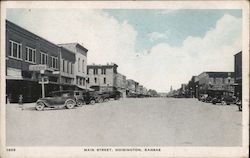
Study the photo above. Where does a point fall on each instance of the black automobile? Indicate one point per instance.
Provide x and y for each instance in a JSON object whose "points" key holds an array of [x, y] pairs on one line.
{"points": [[90, 97], [227, 100], [224, 100], [216, 99], [103, 97], [57, 99], [208, 99]]}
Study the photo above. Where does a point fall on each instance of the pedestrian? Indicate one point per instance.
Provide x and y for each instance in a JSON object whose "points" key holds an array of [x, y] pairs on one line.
{"points": [[20, 101]]}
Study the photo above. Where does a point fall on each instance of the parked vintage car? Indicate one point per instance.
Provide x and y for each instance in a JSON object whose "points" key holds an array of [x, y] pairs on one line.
{"points": [[90, 97], [216, 100], [79, 98], [103, 97], [203, 97], [227, 100], [208, 99], [224, 100], [57, 99]]}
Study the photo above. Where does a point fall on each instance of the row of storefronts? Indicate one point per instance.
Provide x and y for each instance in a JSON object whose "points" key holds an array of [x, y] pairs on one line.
{"points": [[32, 60], [214, 83]]}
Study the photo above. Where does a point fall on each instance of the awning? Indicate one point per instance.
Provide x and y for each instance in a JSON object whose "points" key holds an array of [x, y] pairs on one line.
{"points": [[84, 88], [81, 87], [13, 78]]}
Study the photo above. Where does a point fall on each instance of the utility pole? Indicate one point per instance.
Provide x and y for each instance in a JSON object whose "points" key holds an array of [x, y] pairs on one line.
{"points": [[42, 83]]}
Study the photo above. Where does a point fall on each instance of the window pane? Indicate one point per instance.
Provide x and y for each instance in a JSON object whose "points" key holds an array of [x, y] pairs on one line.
{"points": [[43, 59], [10, 48], [30, 55], [34, 56], [26, 53], [14, 50], [56, 63], [19, 51], [83, 66]]}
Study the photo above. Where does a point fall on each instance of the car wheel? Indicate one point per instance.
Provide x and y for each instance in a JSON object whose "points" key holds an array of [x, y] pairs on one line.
{"points": [[70, 104], [223, 103], [92, 102], [40, 106], [100, 100], [106, 100], [79, 103]]}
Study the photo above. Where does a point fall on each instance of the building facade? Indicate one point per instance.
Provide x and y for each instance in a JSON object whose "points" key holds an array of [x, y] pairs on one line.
{"points": [[216, 83], [67, 69], [80, 70], [23, 49], [120, 84], [238, 74], [130, 88]]}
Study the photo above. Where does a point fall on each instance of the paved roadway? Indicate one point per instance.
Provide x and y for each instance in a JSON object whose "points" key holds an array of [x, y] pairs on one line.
{"points": [[127, 122]]}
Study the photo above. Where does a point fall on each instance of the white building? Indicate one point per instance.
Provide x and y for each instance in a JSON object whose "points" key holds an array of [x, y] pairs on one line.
{"points": [[80, 63]]}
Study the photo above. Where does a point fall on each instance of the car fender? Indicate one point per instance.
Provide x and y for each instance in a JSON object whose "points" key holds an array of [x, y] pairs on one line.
{"points": [[43, 101], [69, 100]]}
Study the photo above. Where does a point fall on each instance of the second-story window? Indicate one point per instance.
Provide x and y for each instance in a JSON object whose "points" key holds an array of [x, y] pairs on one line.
{"points": [[104, 80], [83, 66], [44, 58], [103, 71], [63, 67], [95, 71], [95, 80], [72, 68], [70, 65], [79, 64], [30, 55], [54, 62], [15, 49]]}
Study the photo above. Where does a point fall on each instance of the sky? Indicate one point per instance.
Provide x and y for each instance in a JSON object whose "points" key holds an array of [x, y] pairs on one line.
{"points": [[158, 48]]}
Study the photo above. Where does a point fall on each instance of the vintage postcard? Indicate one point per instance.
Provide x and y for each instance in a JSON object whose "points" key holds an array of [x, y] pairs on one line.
{"points": [[124, 79]]}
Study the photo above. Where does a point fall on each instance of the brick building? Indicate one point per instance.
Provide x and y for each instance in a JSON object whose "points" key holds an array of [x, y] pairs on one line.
{"points": [[216, 83], [120, 84], [131, 88], [23, 49], [238, 74]]}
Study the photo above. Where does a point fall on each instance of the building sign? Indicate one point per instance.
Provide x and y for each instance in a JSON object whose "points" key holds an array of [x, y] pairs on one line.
{"points": [[37, 67], [216, 87], [44, 80], [17, 73]]}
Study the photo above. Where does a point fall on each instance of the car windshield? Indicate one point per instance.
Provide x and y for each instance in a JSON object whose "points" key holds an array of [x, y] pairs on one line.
{"points": [[55, 94], [65, 94], [77, 93]]}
